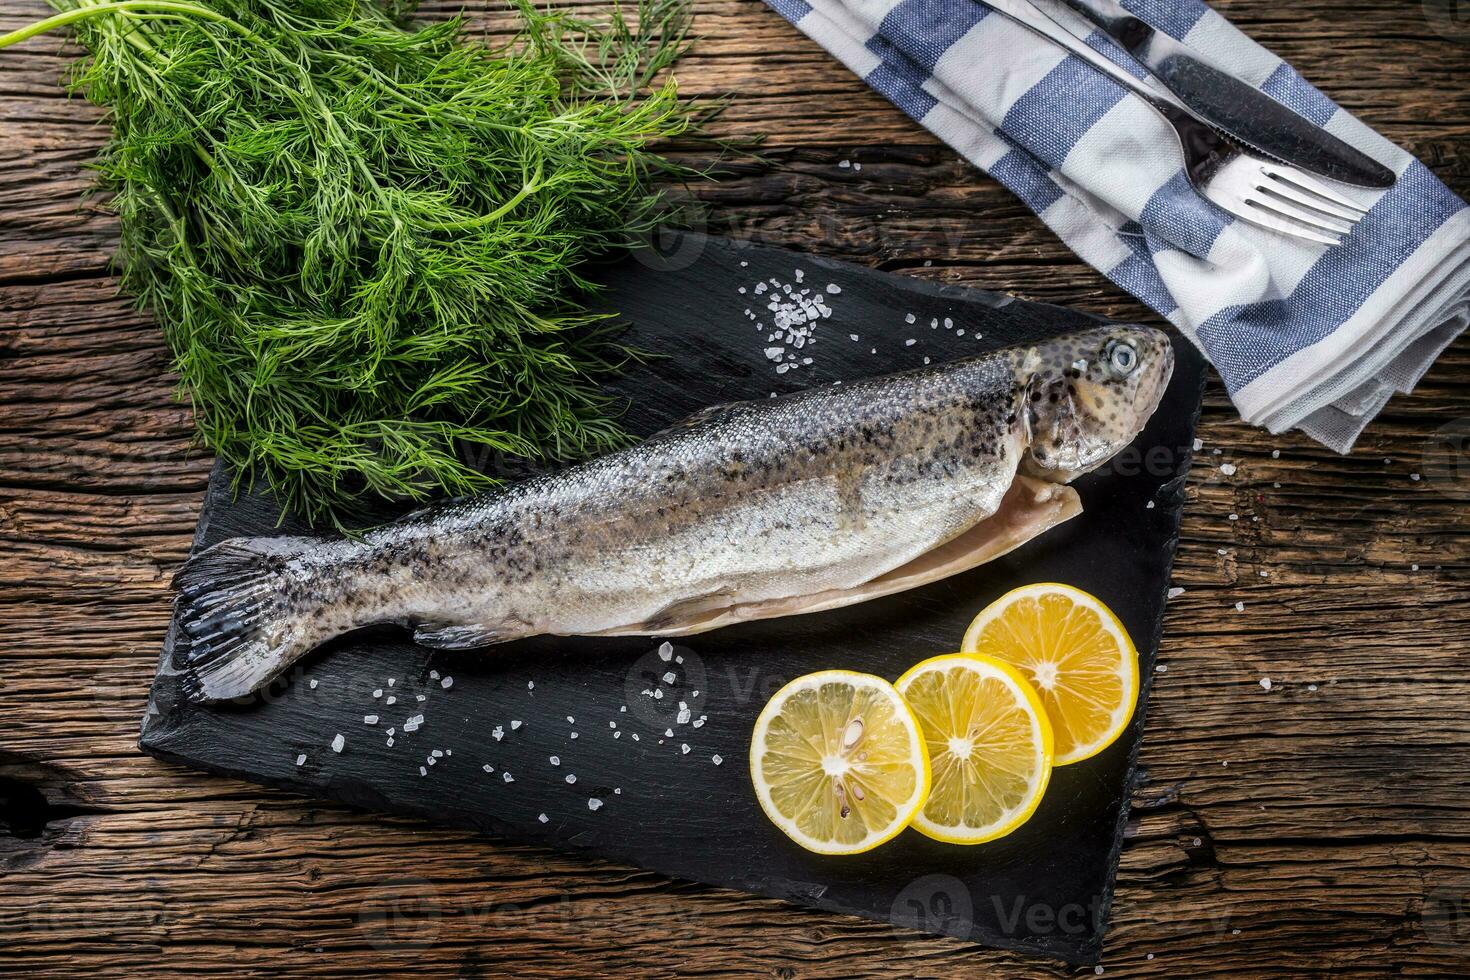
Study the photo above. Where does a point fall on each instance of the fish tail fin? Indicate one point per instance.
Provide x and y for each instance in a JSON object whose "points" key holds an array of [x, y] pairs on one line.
{"points": [[239, 622]]}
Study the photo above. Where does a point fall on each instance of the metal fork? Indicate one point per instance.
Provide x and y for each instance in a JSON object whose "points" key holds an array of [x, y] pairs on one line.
{"points": [[1263, 191]]}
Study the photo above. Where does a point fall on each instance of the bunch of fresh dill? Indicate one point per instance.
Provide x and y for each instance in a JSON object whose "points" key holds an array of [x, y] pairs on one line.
{"points": [[362, 238]]}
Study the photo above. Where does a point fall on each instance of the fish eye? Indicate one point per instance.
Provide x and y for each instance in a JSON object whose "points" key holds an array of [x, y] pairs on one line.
{"points": [[1122, 358]]}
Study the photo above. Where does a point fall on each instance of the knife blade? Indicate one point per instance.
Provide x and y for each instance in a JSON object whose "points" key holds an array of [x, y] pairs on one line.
{"points": [[1234, 107]]}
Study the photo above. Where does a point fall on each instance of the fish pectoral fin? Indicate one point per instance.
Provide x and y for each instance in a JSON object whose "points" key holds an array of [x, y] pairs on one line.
{"points": [[677, 614], [462, 636]]}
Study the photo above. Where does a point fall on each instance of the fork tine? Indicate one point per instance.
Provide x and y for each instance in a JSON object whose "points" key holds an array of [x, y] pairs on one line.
{"points": [[1298, 179], [1289, 222], [1276, 188]]}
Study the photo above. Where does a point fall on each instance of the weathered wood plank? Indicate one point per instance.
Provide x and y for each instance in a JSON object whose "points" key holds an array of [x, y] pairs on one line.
{"points": [[1324, 819]]}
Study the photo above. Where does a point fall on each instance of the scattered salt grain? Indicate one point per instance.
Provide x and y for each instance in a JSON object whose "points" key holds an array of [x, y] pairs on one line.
{"points": [[498, 734], [669, 677], [301, 759], [573, 735], [369, 719], [1413, 568], [1415, 477], [683, 718], [391, 700], [433, 675], [618, 735], [392, 681], [910, 342], [571, 720], [668, 733], [909, 318], [431, 760], [1199, 444], [844, 164], [421, 697], [635, 736], [556, 760], [833, 288], [437, 754], [378, 693], [338, 742], [948, 323], [514, 725], [1161, 668], [665, 651], [1311, 687], [1227, 468], [507, 777], [571, 778], [423, 771], [447, 683], [530, 685], [1240, 607], [658, 695], [312, 684], [857, 168], [1149, 505], [542, 817], [716, 759], [488, 767], [1275, 454], [853, 337], [1265, 683], [594, 804], [699, 722], [1233, 517], [684, 748], [1176, 592]]}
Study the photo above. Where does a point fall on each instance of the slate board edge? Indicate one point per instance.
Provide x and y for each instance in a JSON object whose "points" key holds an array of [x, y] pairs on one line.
{"points": [[1085, 952], [1092, 949]]}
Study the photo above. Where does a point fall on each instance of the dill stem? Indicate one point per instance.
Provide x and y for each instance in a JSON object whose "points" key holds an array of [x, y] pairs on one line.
{"points": [[166, 7]]}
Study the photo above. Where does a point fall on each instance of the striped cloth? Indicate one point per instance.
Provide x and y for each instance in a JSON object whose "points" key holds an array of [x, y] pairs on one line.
{"points": [[1304, 336]]}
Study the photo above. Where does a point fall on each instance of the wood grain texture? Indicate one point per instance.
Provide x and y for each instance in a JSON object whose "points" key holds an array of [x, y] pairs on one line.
{"points": [[1319, 825]]}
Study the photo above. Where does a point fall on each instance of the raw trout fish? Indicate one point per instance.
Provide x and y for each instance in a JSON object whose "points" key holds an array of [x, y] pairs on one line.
{"points": [[750, 510]]}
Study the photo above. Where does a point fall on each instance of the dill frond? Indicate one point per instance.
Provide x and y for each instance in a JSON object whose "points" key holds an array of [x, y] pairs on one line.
{"points": [[362, 238]]}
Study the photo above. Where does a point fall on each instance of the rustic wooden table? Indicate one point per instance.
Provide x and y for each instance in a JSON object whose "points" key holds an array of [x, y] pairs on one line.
{"points": [[1318, 821]]}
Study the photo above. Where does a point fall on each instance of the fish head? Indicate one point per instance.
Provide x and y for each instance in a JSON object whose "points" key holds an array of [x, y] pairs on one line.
{"points": [[1086, 395]]}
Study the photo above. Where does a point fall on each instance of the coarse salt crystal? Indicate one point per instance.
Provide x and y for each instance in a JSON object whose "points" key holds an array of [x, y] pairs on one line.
{"points": [[338, 742], [684, 748], [514, 725], [556, 760], [669, 677], [312, 683], [594, 804], [488, 767], [1199, 444], [573, 735], [909, 318], [301, 759], [507, 777], [833, 288], [1227, 468], [447, 683], [433, 675], [378, 693], [1176, 592], [910, 342], [369, 719], [683, 718], [423, 771], [542, 817], [571, 778], [1240, 607], [1275, 454], [716, 759], [437, 754], [1266, 683], [1149, 505], [498, 734], [391, 700]]}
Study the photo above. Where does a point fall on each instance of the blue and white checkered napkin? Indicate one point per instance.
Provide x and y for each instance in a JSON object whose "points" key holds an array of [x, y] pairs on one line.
{"points": [[1305, 336]]}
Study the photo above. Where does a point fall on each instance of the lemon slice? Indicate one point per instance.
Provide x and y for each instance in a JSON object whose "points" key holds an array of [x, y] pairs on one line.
{"points": [[990, 746], [838, 761], [1075, 653]]}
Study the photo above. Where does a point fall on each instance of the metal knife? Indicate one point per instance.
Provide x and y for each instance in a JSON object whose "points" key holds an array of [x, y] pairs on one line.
{"points": [[1236, 108]]}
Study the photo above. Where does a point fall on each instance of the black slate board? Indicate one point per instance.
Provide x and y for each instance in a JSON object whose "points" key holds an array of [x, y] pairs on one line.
{"points": [[1043, 889]]}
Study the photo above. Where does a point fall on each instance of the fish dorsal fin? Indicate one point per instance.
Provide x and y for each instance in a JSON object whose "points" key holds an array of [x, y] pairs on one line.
{"points": [[692, 421]]}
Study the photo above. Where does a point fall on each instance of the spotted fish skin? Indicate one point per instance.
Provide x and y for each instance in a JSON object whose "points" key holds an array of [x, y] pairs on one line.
{"points": [[743, 511]]}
